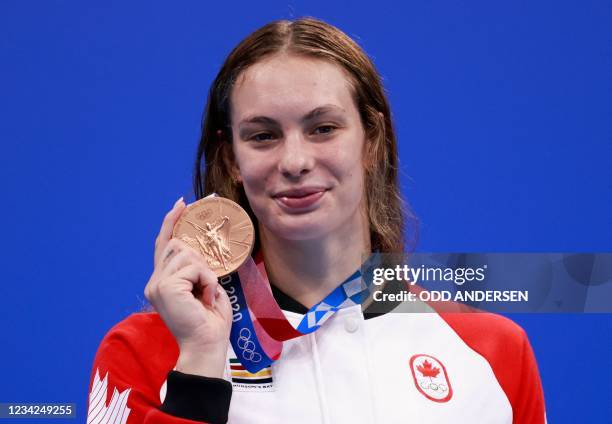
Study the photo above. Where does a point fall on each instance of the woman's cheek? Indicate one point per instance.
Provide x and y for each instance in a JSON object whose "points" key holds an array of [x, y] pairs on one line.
{"points": [[254, 174], [344, 157]]}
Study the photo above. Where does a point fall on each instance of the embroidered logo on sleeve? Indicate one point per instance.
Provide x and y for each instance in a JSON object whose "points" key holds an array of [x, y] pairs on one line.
{"points": [[244, 381], [430, 378], [116, 412]]}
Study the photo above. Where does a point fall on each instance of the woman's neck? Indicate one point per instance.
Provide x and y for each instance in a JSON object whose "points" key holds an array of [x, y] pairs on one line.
{"points": [[308, 270]]}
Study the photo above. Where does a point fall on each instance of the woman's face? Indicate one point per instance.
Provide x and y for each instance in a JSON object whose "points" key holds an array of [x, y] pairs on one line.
{"points": [[298, 145]]}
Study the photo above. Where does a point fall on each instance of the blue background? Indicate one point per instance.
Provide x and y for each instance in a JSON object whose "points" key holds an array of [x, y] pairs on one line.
{"points": [[503, 117]]}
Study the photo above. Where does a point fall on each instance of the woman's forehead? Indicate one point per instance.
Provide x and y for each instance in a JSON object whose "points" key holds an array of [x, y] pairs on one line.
{"points": [[289, 84]]}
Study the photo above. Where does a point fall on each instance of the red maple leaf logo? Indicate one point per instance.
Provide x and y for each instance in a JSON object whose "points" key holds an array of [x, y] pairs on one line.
{"points": [[428, 370]]}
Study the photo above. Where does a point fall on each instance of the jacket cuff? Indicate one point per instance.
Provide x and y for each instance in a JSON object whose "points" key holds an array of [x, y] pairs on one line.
{"points": [[197, 398]]}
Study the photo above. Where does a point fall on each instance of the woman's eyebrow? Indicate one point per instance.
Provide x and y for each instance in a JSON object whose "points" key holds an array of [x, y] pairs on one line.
{"points": [[318, 111], [321, 110]]}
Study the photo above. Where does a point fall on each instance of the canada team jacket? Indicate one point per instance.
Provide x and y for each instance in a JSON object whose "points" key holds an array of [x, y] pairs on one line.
{"points": [[390, 368]]}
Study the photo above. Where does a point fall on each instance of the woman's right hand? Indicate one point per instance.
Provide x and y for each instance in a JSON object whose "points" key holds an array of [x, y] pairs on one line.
{"points": [[187, 296]]}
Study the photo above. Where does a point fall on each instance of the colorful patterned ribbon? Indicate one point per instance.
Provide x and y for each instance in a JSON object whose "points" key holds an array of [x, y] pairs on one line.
{"points": [[260, 326]]}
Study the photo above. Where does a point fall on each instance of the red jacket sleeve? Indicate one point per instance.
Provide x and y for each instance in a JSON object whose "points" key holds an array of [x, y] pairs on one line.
{"points": [[132, 363], [504, 344], [528, 404]]}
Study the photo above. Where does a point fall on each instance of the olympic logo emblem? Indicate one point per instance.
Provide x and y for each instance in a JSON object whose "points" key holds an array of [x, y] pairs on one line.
{"points": [[247, 346], [428, 385], [431, 378]]}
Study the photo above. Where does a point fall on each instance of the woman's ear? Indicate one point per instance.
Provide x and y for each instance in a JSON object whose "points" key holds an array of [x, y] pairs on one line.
{"points": [[236, 175], [234, 172], [229, 161]]}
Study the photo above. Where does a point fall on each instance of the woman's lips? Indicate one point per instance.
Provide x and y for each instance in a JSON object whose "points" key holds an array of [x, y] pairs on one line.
{"points": [[300, 202]]}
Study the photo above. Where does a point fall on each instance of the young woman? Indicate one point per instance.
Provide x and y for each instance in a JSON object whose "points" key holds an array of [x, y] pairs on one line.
{"points": [[298, 131]]}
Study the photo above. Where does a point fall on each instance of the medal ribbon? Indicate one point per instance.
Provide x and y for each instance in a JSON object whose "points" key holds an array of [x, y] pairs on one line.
{"points": [[259, 325]]}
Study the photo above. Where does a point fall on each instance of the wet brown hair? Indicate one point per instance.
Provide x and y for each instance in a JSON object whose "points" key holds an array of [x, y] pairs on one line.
{"points": [[313, 38]]}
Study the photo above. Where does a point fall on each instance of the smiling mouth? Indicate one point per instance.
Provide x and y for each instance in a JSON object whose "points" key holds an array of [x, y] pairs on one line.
{"points": [[297, 200]]}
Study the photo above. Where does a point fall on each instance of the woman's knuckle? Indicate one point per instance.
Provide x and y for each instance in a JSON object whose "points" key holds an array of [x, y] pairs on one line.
{"points": [[194, 256], [199, 264], [162, 287]]}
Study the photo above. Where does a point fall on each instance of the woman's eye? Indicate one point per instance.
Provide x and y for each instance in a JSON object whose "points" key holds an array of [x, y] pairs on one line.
{"points": [[326, 129], [261, 137]]}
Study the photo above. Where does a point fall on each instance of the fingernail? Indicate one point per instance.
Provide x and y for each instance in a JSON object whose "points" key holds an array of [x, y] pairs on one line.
{"points": [[177, 202]]}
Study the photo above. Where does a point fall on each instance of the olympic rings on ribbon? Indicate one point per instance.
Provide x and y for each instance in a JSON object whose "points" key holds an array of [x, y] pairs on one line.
{"points": [[247, 346]]}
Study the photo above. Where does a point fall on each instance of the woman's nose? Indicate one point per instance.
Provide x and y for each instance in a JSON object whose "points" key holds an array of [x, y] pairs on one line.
{"points": [[296, 156]]}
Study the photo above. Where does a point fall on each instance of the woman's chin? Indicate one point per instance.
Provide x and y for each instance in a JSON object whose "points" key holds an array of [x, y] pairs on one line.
{"points": [[300, 227]]}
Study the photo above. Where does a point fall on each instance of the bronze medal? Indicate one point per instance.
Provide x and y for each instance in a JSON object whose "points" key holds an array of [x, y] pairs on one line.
{"points": [[220, 230]]}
